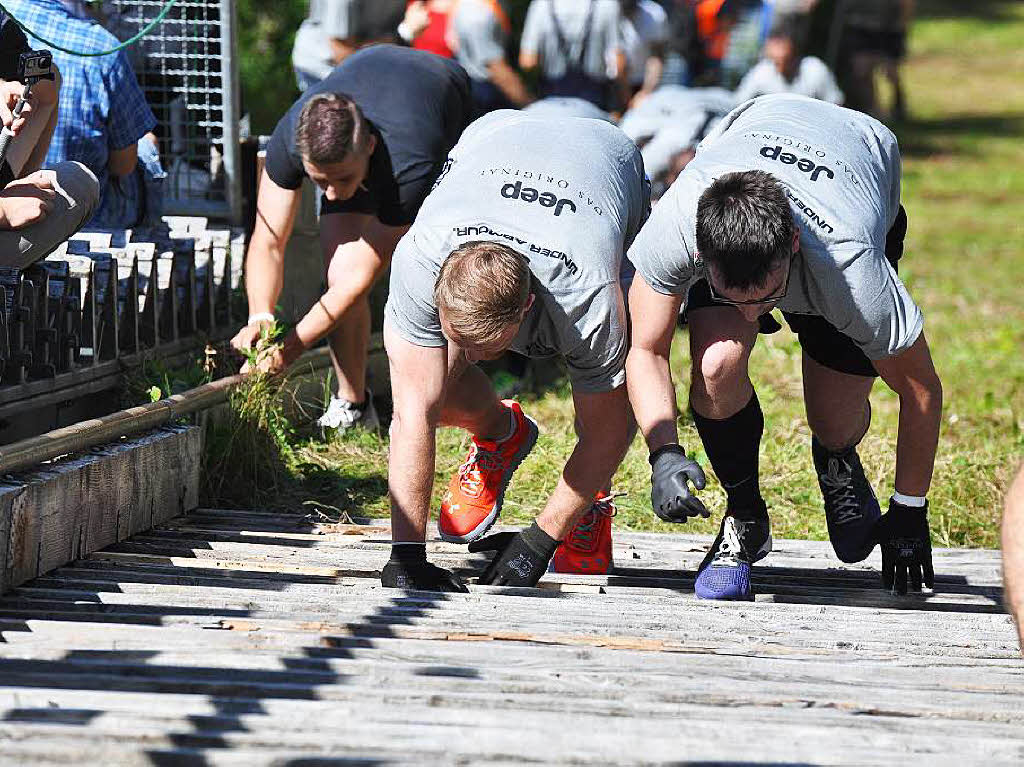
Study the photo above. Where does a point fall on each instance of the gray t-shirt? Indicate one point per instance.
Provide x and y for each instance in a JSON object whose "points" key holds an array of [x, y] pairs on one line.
{"points": [[481, 38], [604, 39], [841, 172], [572, 214], [813, 79], [672, 119], [566, 106]]}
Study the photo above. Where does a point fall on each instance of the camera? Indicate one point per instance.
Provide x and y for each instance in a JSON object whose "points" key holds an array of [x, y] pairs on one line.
{"points": [[34, 66]]}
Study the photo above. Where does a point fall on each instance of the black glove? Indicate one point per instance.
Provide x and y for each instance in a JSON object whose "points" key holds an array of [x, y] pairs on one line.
{"points": [[903, 535], [408, 568], [520, 559], [671, 498]]}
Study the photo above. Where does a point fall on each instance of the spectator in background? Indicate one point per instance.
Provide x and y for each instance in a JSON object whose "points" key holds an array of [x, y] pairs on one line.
{"points": [[784, 68], [668, 125], [747, 35], [335, 29], [874, 38], [39, 209], [576, 46], [481, 30], [683, 55], [426, 26], [714, 21], [644, 37], [1013, 552], [102, 115]]}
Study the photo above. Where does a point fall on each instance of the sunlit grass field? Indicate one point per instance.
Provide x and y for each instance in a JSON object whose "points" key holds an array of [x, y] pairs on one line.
{"points": [[964, 263]]}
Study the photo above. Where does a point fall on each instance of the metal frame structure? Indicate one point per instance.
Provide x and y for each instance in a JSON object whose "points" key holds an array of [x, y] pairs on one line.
{"points": [[188, 69]]}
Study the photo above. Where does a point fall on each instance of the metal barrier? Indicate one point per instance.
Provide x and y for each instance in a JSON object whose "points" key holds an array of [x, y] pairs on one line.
{"points": [[107, 298], [186, 66]]}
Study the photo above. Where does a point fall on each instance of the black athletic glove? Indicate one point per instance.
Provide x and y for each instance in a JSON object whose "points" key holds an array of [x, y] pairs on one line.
{"points": [[906, 548], [520, 559], [671, 471], [408, 568]]}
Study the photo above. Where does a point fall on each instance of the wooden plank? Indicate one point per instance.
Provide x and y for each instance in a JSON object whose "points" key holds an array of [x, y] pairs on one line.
{"points": [[77, 506], [99, 659]]}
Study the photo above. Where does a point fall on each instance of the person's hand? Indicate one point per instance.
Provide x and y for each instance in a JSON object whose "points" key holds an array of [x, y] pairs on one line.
{"points": [[270, 360], [905, 540], [671, 473], [10, 92], [408, 568], [417, 18], [27, 200], [520, 559], [249, 336]]}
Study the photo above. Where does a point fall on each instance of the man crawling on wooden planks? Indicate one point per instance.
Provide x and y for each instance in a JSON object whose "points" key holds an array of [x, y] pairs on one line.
{"points": [[789, 203], [519, 246]]}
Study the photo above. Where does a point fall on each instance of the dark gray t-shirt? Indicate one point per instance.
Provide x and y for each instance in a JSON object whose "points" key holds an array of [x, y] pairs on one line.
{"points": [[571, 213], [841, 172]]}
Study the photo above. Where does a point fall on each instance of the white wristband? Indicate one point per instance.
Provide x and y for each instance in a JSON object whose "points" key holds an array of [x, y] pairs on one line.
{"points": [[405, 32], [913, 501], [260, 317]]}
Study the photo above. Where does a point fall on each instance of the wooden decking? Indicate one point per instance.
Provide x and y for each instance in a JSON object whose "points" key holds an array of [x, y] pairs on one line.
{"points": [[242, 638]]}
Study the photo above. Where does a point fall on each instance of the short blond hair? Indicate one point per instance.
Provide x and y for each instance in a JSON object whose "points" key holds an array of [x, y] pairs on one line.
{"points": [[483, 288]]}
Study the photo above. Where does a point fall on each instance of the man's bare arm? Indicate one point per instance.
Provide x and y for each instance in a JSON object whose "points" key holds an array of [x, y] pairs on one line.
{"points": [[508, 81], [48, 94], [264, 261], [604, 422], [651, 390], [911, 374], [1013, 552], [418, 376], [362, 262]]}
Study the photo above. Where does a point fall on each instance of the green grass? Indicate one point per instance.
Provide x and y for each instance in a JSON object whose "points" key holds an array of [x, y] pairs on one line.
{"points": [[964, 260]]}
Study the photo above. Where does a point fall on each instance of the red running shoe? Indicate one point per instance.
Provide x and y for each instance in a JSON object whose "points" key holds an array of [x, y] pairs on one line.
{"points": [[587, 549], [475, 494]]}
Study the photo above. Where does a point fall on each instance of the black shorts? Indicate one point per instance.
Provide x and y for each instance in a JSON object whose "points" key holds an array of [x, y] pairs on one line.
{"points": [[819, 338]]}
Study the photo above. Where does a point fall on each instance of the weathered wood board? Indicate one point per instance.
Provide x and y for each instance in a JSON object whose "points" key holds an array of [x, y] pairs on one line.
{"points": [[224, 638], [77, 506]]}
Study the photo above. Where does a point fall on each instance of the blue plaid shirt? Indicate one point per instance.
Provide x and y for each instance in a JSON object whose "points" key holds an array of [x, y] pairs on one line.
{"points": [[101, 108]]}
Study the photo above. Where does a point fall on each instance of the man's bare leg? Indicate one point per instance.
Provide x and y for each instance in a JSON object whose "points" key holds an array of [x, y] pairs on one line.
{"points": [[471, 402], [349, 344], [837, 405]]}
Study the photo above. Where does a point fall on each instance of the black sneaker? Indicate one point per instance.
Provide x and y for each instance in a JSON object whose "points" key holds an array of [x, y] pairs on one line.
{"points": [[851, 508], [725, 572]]}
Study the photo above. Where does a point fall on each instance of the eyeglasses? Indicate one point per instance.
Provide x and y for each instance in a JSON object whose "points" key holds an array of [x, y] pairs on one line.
{"points": [[778, 295]]}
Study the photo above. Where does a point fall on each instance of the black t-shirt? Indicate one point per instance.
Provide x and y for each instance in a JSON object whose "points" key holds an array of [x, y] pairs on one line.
{"points": [[416, 102]]}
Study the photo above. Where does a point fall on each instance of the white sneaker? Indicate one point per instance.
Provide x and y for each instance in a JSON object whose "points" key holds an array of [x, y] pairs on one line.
{"points": [[342, 415]]}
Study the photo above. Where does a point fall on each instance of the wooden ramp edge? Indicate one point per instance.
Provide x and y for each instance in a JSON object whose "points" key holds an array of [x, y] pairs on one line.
{"points": [[224, 638], [71, 508]]}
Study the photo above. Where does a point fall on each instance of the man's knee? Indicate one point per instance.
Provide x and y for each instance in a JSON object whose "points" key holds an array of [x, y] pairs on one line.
{"points": [[81, 189], [721, 366]]}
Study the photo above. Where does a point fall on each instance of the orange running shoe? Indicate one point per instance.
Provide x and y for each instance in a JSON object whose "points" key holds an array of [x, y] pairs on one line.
{"points": [[475, 494], [587, 549]]}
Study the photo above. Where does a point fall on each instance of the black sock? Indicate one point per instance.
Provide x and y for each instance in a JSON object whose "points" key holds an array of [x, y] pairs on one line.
{"points": [[732, 445], [408, 553]]}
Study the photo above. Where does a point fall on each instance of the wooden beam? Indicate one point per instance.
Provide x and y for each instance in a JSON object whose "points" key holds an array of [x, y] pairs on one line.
{"points": [[72, 508]]}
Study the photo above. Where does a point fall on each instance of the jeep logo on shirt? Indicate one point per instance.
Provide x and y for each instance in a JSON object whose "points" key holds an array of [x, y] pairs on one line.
{"points": [[788, 158], [517, 191]]}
